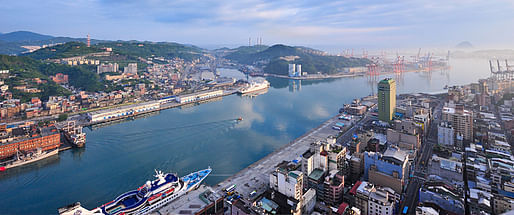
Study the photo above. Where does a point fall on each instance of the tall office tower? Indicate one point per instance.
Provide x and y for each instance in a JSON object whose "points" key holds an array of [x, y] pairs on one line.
{"points": [[386, 99]]}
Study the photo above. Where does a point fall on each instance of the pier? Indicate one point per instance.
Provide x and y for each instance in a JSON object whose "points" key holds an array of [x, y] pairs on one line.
{"points": [[162, 106]]}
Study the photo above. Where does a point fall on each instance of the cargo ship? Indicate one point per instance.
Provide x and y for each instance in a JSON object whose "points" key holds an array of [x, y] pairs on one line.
{"points": [[147, 198], [22, 159], [254, 86], [73, 134]]}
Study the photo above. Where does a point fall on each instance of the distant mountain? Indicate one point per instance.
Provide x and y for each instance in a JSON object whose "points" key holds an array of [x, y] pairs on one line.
{"points": [[244, 49], [23, 36], [276, 59], [11, 43], [464, 45]]}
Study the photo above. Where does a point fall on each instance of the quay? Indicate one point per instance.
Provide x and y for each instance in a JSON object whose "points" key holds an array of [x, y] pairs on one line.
{"points": [[123, 112], [255, 177], [258, 172]]}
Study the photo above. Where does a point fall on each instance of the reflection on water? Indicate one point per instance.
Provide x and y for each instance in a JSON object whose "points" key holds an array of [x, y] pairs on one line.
{"points": [[31, 168], [295, 85], [122, 156]]}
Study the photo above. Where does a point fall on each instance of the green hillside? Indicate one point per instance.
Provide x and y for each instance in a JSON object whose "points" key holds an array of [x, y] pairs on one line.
{"points": [[25, 68], [70, 49], [312, 62], [148, 49]]}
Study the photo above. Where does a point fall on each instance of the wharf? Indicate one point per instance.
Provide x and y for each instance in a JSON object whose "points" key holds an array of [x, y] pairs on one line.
{"points": [[161, 107], [256, 176]]}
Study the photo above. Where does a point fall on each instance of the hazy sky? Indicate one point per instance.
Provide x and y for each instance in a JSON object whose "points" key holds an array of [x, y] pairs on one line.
{"points": [[351, 23]]}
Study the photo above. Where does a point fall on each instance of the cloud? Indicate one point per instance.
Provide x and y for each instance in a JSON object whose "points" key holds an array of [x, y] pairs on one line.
{"points": [[289, 21]]}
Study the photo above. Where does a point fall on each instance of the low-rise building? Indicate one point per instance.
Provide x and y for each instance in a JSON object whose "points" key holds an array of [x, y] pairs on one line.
{"points": [[380, 203], [390, 169], [198, 96], [286, 179], [443, 196]]}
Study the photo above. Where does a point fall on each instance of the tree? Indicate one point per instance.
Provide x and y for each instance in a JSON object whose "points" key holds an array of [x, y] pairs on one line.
{"points": [[62, 117]]}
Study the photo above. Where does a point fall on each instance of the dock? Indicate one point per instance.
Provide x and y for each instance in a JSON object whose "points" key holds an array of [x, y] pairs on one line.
{"points": [[162, 106], [256, 176]]}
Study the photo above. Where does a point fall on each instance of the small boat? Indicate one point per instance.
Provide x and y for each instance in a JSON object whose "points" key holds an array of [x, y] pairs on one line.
{"points": [[240, 119]]}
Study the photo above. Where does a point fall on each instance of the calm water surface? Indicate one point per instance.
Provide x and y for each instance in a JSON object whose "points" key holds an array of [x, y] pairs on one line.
{"points": [[122, 156]]}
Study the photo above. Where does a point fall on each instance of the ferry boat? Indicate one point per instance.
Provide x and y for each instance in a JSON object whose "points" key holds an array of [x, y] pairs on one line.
{"points": [[254, 86], [22, 159], [147, 198]]}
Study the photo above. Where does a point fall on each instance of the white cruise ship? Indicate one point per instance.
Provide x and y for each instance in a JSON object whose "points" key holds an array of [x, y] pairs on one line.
{"points": [[147, 198], [254, 86]]}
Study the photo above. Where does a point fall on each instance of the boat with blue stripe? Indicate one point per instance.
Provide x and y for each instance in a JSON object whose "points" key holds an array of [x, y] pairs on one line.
{"points": [[150, 196]]}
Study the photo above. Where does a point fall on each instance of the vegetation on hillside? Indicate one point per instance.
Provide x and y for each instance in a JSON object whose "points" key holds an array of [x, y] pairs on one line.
{"points": [[70, 49], [311, 61], [25, 68], [136, 49], [244, 50]]}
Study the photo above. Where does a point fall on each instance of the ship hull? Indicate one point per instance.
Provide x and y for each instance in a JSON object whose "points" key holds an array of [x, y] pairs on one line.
{"points": [[32, 160], [145, 202]]}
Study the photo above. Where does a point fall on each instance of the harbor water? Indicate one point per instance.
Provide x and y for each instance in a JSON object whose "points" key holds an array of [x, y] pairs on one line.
{"points": [[122, 156]]}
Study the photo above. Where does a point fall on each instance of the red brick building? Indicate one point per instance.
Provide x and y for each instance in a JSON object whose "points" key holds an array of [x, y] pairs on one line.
{"points": [[60, 78], [46, 138]]}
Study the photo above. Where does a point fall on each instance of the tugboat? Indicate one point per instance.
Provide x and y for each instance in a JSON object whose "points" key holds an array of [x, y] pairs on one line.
{"points": [[74, 135], [147, 198]]}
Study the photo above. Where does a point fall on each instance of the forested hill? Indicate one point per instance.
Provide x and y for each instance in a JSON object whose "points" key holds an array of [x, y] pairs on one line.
{"points": [[131, 49], [278, 57], [22, 69]]}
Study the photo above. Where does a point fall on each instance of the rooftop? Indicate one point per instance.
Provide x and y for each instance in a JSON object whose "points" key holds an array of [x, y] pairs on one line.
{"points": [[316, 174]]}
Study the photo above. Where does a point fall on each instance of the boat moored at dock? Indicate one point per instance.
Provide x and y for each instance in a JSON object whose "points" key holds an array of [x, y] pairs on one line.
{"points": [[254, 86], [145, 199], [73, 134], [26, 158]]}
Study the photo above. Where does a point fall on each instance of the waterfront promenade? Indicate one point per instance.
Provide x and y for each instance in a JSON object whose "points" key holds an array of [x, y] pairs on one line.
{"points": [[256, 176]]}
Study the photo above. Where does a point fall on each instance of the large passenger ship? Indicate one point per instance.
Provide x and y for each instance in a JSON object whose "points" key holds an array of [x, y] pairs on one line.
{"points": [[147, 198], [254, 86]]}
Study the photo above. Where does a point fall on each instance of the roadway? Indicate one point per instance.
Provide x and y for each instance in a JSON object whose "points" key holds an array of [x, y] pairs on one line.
{"points": [[410, 197]]}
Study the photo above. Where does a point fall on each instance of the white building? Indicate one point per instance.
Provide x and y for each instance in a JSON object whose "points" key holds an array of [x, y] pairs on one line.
{"points": [[292, 70], [111, 67], [380, 203], [426, 211], [107, 115], [445, 134], [295, 70], [198, 96], [298, 70], [130, 69], [308, 201], [287, 183]]}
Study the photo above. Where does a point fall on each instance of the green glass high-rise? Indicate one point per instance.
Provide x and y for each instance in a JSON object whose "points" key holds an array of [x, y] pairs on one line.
{"points": [[386, 99]]}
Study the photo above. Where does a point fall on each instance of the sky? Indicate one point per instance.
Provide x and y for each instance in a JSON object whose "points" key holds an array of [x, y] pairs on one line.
{"points": [[350, 23]]}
